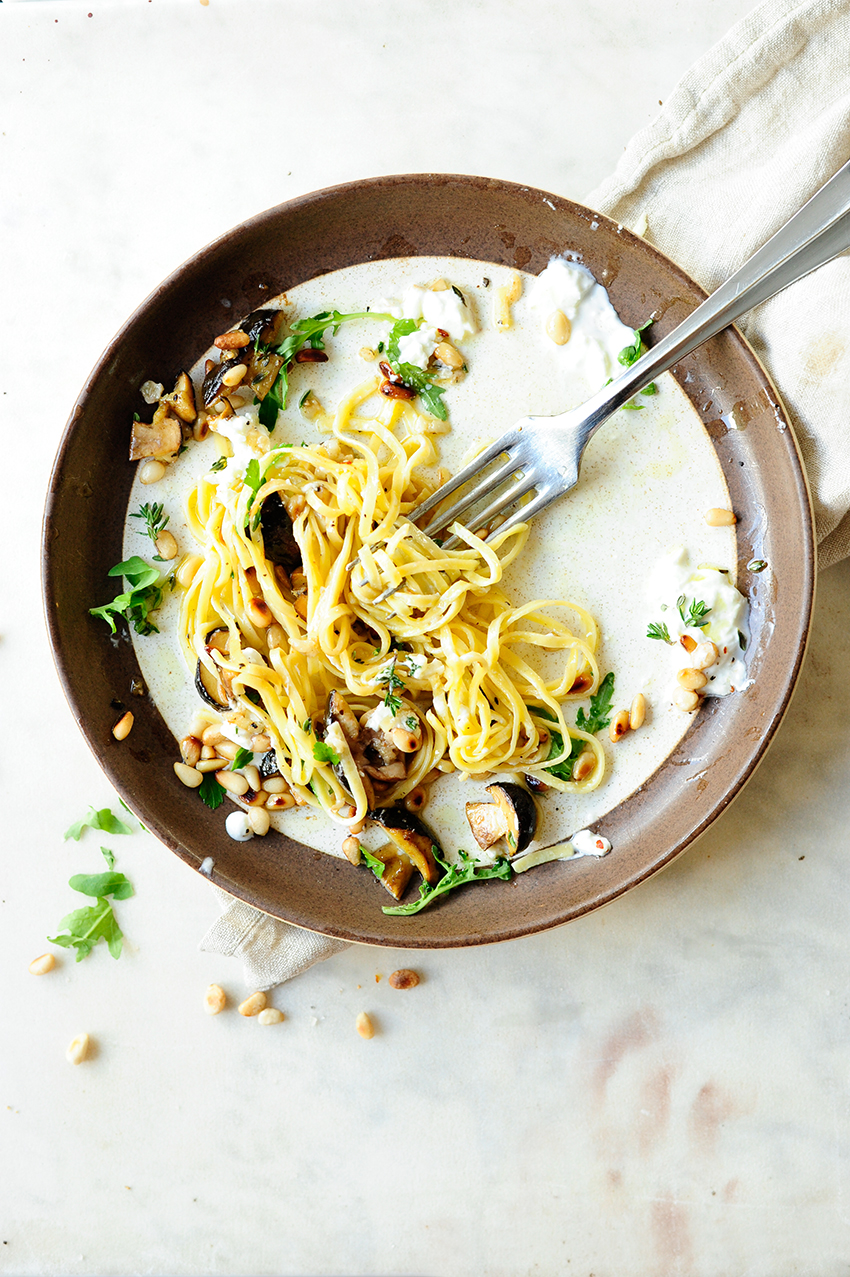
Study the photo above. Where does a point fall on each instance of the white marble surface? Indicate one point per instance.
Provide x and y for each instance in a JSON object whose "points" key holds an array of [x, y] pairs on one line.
{"points": [[661, 1088]]}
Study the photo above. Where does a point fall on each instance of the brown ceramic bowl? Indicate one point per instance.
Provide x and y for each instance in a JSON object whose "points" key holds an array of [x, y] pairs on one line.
{"points": [[409, 216]]}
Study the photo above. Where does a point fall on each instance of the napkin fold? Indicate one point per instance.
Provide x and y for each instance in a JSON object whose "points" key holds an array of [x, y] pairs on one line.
{"points": [[753, 129]]}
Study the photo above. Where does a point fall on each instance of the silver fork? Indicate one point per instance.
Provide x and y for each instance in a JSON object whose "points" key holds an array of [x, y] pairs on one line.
{"points": [[542, 455]]}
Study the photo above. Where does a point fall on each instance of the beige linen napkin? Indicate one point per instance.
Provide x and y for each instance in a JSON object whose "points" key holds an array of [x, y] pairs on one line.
{"points": [[753, 129]]}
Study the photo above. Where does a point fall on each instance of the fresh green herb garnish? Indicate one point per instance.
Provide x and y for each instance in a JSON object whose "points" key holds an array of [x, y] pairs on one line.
{"points": [[757, 565], [103, 819], [155, 521], [109, 857], [220, 464], [631, 354], [468, 870], [656, 631], [325, 753], [242, 759], [304, 398], [308, 724], [697, 613], [394, 684], [742, 640], [210, 791], [564, 769], [419, 379], [600, 708], [105, 884], [86, 926], [254, 480], [377, 866], [137, 603]]}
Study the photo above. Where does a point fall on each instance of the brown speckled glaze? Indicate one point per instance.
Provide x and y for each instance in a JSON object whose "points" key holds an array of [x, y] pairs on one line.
{"points": [[425, 214]]}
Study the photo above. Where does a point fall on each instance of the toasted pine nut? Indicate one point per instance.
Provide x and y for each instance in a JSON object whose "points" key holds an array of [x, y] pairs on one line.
{"points": [[151, 472], [258, 821], [123, 727], [692, 680], [214, 764], [270, 1015], [280, 802], [41, 966], [207, 752], [215, 999], [201, 427], [404, 978], [717, 518], [191, 777], [439, 285], [364, 1026], [275, 785], [234, 375], [233, 782], [311, 407], [448, 355], [260, 613], [688, 643], [275, 635], [416, 799], [704, 655], [558, 328], [78, 1049], [232, 341], [261, 743], [187, 570], [200, 722], [213, 734], [302, 606], [351, 849], [584, 765], [227, 749], [404, 740], [252, 775], [637, 712], [253, 1005], [190, 750], [619, 726], [687, 701], [166, 546], [368, 353]]}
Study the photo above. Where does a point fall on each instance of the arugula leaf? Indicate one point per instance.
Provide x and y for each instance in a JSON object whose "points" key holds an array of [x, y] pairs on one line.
{"points": [[108, 857], [254, 480], [419, 379], [105, 884], [136, 604], [86, 926], [658, 631], [377, 866], [697, 613], [155, 521], [600, 708], [631, 354], [325, 753], [103, 819], [468, 870], [211, 791], [564, 769], [242, 759]]}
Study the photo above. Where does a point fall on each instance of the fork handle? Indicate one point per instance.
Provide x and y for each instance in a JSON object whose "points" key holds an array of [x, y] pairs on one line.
{"points": [[813, 236]]}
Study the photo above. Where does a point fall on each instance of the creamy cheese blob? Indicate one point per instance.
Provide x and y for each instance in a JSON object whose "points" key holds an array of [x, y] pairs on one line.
{"points": [[443, 308], [238, 828], [586, 843]]}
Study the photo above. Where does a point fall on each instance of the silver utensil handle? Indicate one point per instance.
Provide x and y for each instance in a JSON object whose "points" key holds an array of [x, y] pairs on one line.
{"points": [[813, 236]]}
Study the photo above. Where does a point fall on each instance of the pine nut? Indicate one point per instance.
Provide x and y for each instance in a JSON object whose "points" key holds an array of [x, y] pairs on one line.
{"points": [[215, 999], [364, 1026], [201, 428], [213, 734], [253, 1005], [439, 285], [234, 375], [692, 680], [261, 744], [199, 724], [687, 701], [311, 407], [227, 749], [558, 328], [232, 341], [123, 727], [255, 798], [270, 1015], [704, 655], [41, 966], [252, 775], [207, 752], [190, 750], [260, 613], [637, 712], [187, 570], [416, 799], [279, 802], [212, 764], [275, 785], [351, 849], [404, 740], [151, 472], [404, 978], [584, 765], [619, 726], [258, 820], [448, 355], [717, 518], [78, 1049], [275, 635], [302, 606], [688, 643], [166, 546], [191, 777], [367, 353], [233, 783]]}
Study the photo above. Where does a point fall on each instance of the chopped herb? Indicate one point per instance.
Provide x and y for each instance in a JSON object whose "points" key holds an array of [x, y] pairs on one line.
{"points": [[394, 684], [656, 631], [109, 857], [103, 819], [380, 347], [242, 759], [757, 565], [155, 521], [325, 753], [697, 613], [600, 708], [219, 465], [468, 870], [136, 417], [377, 866], [631, 354], [254, 480], [308, 724], [304, 398], [210, 791], [137, 603], [742, 639], [105, 884], [412, 722]]}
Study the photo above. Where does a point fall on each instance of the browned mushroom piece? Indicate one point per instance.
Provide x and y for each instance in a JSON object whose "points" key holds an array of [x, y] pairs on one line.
{"points": [[380, 764], [512, 815], [398, 871], [182, 399], [161, 437], [411, 837], [215, 688]]}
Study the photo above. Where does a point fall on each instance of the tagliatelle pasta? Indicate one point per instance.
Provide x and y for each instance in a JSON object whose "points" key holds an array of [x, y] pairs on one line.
{"points": [[421, 636]]}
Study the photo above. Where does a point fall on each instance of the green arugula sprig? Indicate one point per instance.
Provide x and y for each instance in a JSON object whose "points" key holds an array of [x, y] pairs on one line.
{"points": [[253, 479], [593, 722], [466, 871], [305, 330], [85, 927], [630, 355], [137, 603], [372, 862], [104, 820], [155, 521], [419, 379], [696, 615]]}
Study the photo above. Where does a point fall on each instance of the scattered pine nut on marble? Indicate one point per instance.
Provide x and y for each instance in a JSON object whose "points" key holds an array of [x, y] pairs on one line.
{"points": [[41, 966], [78, 1049], [364, 1026], [253, 1005], [215, 999]]}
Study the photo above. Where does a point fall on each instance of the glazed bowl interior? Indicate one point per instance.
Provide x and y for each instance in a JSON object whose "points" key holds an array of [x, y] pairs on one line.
{"points": [[411, 216]]}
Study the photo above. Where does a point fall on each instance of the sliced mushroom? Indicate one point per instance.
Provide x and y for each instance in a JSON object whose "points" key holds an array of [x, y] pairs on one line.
{"points": [[279, 544], [411, 837], [512, 815], [214, 688], [340, 717], [262, 326], [161, 437], [263, 367], [182, 399], [398, 872]]}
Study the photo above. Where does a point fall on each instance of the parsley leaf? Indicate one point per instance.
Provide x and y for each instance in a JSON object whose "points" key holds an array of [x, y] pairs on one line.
{"points": [[468, 870], [657, 631], [242, 759], [103, 819], [254, 480], [137, 603], [88, 925], [325, 753], [697, 613], [155, 521], [211, 791], [600, 708]]}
